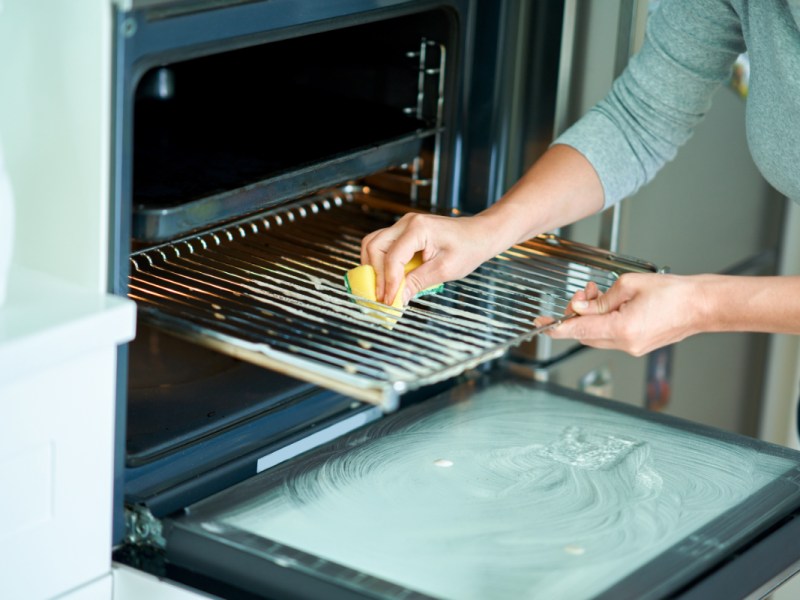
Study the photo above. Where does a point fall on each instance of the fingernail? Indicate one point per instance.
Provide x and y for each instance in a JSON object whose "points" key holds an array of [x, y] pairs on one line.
{"points": [[406, 296], [580, 305]]}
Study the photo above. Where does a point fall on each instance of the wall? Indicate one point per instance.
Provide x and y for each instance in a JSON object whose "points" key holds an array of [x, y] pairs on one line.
{"points": [[55, 73]]}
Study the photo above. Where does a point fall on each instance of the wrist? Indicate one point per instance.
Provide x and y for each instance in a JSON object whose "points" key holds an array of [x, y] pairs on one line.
{"points": [[708, 293], [499, 229]]}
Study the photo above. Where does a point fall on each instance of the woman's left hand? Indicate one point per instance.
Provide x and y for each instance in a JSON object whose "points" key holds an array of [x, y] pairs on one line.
{"points": [[639, 313]]}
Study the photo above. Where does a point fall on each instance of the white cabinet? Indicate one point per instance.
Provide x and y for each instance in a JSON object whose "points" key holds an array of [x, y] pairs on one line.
{"points": [[57, 397], [130, 584], [59, 331]]}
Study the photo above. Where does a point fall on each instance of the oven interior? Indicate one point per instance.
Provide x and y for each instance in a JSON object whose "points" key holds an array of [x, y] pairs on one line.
{"points": [[221, 135]]}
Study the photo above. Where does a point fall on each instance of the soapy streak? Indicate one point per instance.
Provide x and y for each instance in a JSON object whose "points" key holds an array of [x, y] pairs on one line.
{"points": [[544, 498], [391, 371], [346, 310], [500, 288]]}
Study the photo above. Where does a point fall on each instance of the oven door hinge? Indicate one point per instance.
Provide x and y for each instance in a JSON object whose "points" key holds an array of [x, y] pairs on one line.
{"points": [[142, 528]]}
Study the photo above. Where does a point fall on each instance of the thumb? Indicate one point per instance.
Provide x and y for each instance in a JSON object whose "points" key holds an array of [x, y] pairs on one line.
{"points": [[615, 297]]}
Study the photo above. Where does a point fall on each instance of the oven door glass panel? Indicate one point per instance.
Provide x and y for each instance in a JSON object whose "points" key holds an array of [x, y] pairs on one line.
{"points": [[501, 488]]}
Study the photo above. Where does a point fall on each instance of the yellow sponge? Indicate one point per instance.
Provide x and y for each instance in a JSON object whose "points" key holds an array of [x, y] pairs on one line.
{"points": [[361, 281], [416, 261]]}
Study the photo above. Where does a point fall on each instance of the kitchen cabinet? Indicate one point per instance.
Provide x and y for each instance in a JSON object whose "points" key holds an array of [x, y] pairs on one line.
{"points": [[57, 386], [59, 329]]}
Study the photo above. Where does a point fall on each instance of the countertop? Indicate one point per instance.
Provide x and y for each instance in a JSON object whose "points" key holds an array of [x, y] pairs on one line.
{"points": [[46, 321]]}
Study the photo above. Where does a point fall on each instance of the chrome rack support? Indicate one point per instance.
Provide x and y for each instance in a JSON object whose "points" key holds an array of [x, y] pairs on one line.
{"points": [[428, 67]]}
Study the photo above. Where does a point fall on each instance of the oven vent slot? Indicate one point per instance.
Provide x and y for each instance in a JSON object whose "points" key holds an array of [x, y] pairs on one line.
{"points": [[269, 290]]}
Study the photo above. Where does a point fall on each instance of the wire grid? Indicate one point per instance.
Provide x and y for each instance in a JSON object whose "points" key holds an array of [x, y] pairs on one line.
{"points": [[270, 290]]}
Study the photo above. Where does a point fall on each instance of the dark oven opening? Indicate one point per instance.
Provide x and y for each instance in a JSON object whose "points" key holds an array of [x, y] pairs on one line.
{"points": [[221, 135]]}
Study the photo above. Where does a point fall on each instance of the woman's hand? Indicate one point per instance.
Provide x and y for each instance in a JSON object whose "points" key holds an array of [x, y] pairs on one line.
{"points": [[560, 188], [451, 247], [639, 313]]}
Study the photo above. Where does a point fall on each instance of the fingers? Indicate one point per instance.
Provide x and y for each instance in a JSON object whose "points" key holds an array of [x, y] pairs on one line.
{"points": [[580, 296], [366, 246], [374, 250], [595, 303], [623, 317], [589, 330], [451, 248], [394, 263], [388, 250], [372, 253], [595, 327], [422, 277]]}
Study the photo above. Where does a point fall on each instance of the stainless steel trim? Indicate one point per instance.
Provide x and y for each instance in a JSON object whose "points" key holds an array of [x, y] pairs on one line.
{"points": [[626, 35], [270, 290], [610, 226], [626, 30], [562, 116], [564, 84]]}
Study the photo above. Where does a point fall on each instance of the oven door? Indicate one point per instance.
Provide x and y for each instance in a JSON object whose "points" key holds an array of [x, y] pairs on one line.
{"points": [[503, 487]]}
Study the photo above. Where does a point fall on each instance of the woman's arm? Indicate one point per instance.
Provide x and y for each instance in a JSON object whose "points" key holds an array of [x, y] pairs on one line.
{"points": [[617, 147], [663, 94], [560, 188]]}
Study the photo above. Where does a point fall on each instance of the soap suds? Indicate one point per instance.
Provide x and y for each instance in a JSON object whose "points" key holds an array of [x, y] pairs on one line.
{"points": [[547, 497]]}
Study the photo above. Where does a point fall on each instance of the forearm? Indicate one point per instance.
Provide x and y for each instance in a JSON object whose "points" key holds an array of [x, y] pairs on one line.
{"points": [[762, 304], [560, 188]]}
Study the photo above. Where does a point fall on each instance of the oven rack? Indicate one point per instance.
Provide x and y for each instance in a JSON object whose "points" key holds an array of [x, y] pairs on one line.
{"points": [[269, 290]]}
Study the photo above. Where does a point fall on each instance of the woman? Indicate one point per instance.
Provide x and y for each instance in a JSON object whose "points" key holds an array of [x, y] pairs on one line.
{"points": [[619, 146]]}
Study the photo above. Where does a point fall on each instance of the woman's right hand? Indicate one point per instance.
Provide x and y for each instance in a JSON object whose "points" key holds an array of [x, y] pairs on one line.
{"points": [[451, 247], [560, 188]]}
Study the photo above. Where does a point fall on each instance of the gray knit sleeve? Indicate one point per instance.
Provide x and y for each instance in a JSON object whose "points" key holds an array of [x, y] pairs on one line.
{"points": [[652, 108]]}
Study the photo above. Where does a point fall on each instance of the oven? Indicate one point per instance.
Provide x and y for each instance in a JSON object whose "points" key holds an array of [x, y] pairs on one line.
{"points": [[277, 438]]}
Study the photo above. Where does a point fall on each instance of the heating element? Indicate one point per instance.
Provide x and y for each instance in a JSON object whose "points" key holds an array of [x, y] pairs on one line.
{"points": [[270, 290]]}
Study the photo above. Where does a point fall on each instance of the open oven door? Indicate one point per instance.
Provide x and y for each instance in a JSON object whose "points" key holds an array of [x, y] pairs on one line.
{"points": [[503, 487]]}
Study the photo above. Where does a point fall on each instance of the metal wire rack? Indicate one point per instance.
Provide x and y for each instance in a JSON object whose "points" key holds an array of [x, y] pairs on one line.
{"points": [[269, 290]]}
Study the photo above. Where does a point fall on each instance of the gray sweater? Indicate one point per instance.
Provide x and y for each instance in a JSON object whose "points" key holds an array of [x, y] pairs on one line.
{"points": [[689, 49]]}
